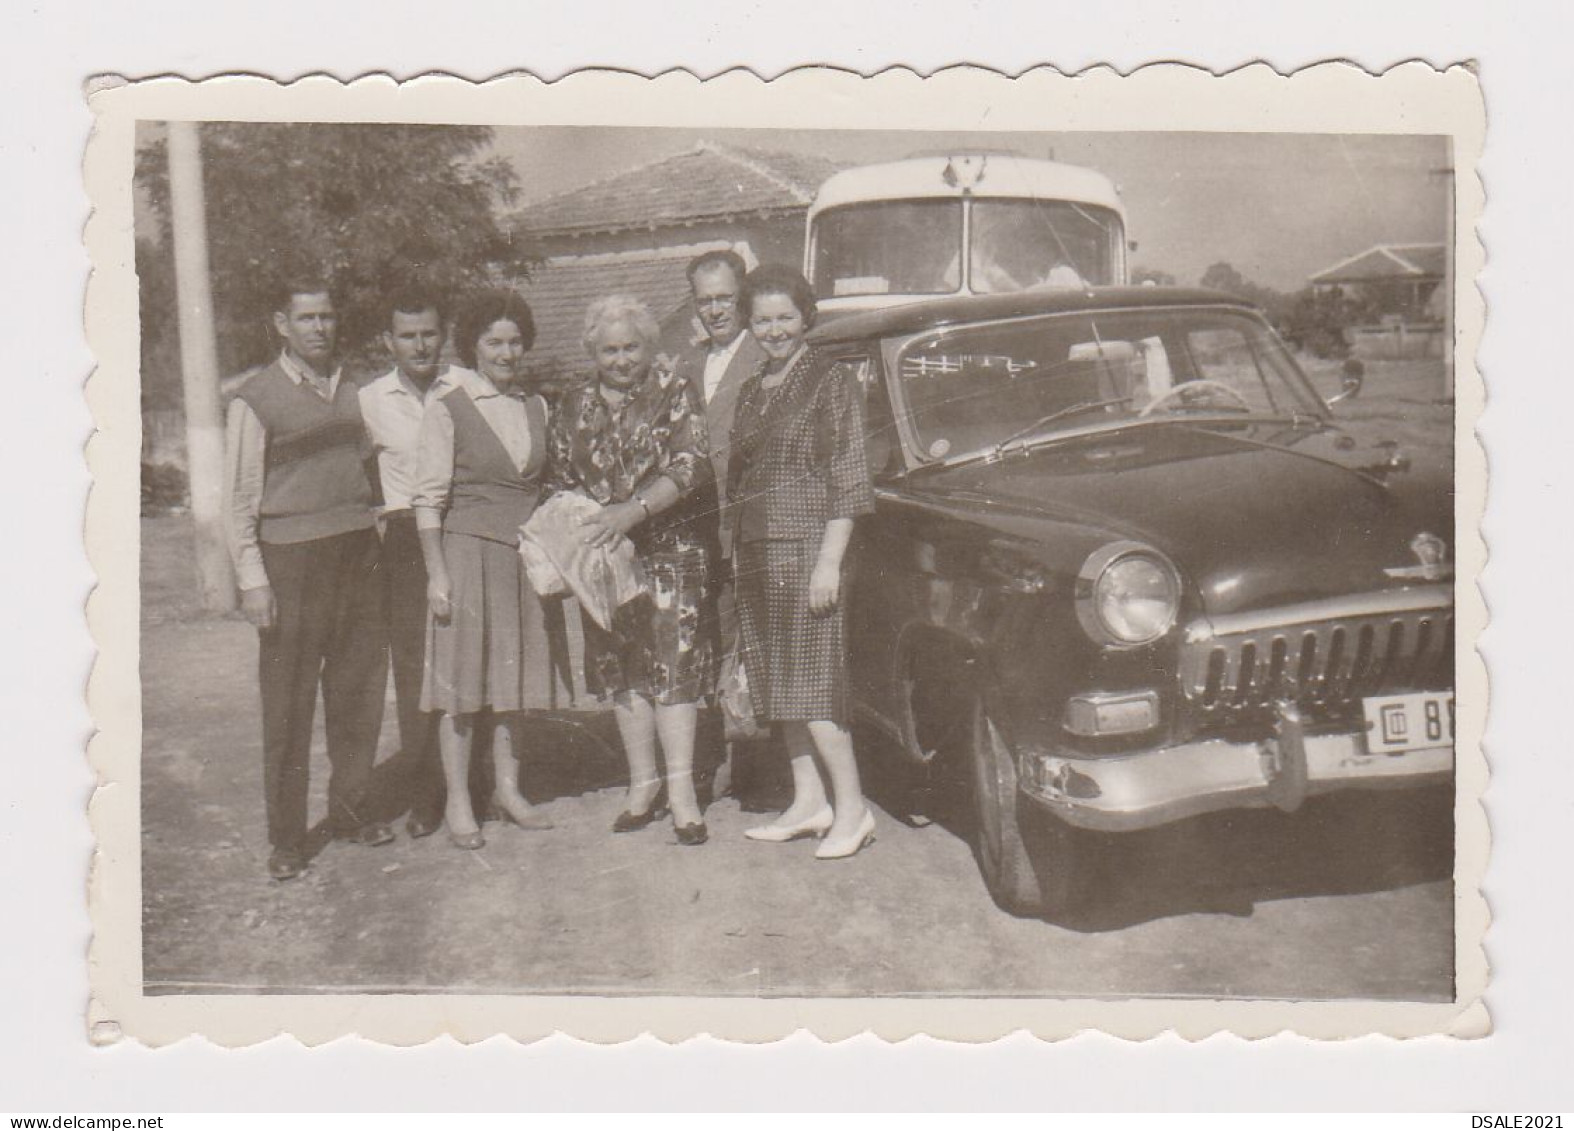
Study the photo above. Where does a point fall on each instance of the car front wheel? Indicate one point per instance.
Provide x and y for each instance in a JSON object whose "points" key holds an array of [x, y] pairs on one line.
{"points": [[1033, 863]]}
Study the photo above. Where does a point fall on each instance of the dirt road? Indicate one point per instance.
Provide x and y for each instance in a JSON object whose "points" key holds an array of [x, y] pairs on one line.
{"points": [[1347, 898]]}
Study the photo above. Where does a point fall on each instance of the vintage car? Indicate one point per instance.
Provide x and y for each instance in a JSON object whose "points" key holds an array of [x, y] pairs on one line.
{"points": [[1127, 566]]}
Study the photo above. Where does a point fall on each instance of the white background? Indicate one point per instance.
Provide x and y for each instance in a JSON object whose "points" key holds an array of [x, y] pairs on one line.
{"points": [[47, 54]]}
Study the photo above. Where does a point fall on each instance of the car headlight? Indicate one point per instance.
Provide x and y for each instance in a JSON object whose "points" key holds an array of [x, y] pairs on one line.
{"points": [[1127, 594]]}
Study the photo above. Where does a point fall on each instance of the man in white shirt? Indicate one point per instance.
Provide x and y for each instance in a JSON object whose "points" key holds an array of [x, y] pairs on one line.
{"points": [[392, 406], [718, 366]]}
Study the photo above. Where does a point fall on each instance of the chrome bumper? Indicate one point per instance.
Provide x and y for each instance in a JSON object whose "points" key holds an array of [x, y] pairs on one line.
{"points": [[1136, 791]]}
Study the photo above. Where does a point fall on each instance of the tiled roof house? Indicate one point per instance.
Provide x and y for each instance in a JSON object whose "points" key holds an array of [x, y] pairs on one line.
{"points": [[1400, 279], [636, 231], [1402, 289], [1386, 263]]}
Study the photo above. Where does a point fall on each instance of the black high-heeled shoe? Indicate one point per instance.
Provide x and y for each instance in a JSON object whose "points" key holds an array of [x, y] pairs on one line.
{"points": [[627, 822], [693, 835]]}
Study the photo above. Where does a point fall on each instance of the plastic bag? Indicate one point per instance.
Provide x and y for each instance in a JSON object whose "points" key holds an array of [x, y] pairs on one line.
{"points": [[737, 704], [602, 580]]}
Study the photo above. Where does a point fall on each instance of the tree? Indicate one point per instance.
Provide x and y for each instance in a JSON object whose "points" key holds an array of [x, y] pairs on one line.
{"points": [[365, 203], [1224, 277]]}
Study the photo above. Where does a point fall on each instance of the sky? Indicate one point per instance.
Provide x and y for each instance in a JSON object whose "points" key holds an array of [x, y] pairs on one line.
{"points": [[1278, 207]]}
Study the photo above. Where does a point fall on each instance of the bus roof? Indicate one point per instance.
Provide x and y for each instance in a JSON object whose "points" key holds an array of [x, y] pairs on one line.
{"points": [[975, 174]]}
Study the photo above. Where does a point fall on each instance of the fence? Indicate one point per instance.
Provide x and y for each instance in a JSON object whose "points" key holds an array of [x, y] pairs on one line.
{"points": [[1397, 341]]}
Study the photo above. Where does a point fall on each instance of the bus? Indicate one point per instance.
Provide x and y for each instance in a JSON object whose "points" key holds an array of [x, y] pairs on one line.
{"points": [[962, 223]]}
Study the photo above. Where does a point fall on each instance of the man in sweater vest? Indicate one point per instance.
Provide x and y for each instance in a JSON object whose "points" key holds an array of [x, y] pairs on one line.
{"points": [[306, 550], [391, 406]]}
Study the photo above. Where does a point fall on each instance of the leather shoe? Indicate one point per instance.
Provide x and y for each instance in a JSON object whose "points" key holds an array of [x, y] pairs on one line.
{"points": [[627, 822], [777, 834], [468, 841], [286, 864], [848, 846], [536, 821], [419, 825], [371, 835], [692, 835]]}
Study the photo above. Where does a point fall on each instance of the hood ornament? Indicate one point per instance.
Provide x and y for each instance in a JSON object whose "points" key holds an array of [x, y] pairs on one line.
{"points": [[1432, 557]]}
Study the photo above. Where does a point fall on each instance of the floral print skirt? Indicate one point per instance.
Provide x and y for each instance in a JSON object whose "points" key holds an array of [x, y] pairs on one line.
{"points": [[662, 645]]}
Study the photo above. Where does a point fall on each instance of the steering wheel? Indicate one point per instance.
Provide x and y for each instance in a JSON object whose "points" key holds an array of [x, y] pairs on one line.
{"points": [[1189, 387]]}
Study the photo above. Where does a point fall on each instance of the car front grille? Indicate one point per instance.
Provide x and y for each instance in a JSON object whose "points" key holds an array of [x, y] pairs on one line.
{"points": [[1326, 664]]}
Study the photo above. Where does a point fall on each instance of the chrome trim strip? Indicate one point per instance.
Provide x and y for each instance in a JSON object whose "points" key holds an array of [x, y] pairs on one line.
{"points": [[1379, 603], [1155, 787]]}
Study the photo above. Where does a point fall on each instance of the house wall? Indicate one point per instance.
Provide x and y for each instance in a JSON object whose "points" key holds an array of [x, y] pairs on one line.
{"points": [[774, 239]]}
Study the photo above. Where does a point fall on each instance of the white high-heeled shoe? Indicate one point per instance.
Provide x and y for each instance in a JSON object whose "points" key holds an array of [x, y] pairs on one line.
{"points": [[848, 846], [777, 834]]}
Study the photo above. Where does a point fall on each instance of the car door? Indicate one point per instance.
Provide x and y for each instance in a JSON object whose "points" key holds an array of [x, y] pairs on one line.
{"points": [[883, 592]]}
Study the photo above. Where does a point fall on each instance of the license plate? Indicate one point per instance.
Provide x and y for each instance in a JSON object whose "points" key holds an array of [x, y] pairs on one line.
{"points": [[1396, 724]]}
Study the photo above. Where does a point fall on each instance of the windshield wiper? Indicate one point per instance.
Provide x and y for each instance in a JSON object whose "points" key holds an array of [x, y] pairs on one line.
{"points": [[1050, 418]]}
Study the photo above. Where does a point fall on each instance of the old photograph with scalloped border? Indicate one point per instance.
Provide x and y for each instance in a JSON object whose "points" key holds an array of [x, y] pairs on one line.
{"points": [[939, 555]]}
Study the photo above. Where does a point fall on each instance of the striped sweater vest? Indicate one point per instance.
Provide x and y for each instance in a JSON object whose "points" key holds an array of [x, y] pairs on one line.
{"points": [[491, 498], [314, 483]]}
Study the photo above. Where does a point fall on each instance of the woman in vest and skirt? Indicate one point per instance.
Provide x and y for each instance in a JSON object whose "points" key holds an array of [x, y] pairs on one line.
{"points": [[483, 448], [633, 439], [798, 478]]}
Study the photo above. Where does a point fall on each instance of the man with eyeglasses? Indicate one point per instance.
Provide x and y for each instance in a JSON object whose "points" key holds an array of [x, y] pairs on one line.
{"points": [[717, 366]]}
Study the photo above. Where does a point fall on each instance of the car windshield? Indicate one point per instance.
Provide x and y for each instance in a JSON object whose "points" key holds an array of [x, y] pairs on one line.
{"points": [[1029, 245], [977, 388], [907, 247]]}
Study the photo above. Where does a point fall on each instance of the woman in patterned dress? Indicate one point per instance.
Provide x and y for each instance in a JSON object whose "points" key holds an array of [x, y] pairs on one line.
{"points": [[798, 478], [481, 453], [633, 439]]}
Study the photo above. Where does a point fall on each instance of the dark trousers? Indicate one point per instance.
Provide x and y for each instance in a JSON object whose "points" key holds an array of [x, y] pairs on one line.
{"points": [[404, 576], [328, 629]]}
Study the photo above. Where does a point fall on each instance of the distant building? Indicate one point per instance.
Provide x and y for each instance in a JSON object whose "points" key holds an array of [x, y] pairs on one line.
{"points": [[1391, 278], [1398, 288], [635, 232]]}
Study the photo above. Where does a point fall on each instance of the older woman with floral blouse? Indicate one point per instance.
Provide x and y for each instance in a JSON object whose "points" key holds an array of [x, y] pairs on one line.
{"points": [[633, 439]]}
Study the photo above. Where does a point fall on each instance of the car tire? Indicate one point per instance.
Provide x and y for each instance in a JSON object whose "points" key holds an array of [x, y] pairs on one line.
{"points": [[1032, 863]]}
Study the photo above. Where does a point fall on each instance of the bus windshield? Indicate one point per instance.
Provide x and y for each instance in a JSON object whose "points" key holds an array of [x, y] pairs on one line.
{"points": [[1026, 245], [905, 247], [915, 247]]}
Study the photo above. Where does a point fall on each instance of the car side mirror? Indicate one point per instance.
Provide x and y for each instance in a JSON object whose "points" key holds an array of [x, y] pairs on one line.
{"points": [[1354, 378]]}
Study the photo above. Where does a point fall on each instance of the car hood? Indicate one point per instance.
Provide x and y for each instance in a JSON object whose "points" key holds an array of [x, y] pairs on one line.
{"points": [[1254, 515]]}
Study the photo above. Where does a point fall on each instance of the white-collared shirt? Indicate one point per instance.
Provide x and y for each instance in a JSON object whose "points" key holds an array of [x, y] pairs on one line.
{"points": [[504, 413], [716, 362], [391, 407]]}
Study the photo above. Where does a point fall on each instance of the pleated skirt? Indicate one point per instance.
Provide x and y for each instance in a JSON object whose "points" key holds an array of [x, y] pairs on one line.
{"points": [[493, 653], [795, 660]]}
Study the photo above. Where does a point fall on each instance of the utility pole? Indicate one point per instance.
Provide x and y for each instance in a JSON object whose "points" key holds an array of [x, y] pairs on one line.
{"points": [[1449, 297], [199, 363]]}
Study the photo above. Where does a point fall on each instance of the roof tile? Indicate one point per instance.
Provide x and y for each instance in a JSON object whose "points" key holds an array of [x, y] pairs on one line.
{"points": [[559, 293], [1387, 261], [704, 183]]}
